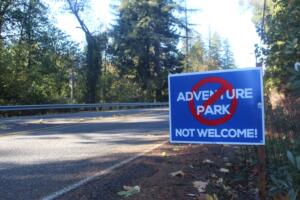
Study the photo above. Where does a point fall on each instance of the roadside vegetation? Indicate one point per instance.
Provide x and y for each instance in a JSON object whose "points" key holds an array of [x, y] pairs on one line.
{"points": [[129, 61], [278, 23]]}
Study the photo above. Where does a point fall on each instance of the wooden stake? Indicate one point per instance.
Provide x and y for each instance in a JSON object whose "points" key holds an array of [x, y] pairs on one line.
{"points": [[261, 155], [262, 172]]}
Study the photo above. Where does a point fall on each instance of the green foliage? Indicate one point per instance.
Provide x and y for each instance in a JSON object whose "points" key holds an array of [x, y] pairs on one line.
{"points": [[37, 61], [211, 55], [287, 179], [131, 63], [35, 57], [215, 51], [96, 44], [144, 44], [294, 82], [116, 88], [282, 148], [196, 56], [280, 35], [281, 38], [227, 59]]}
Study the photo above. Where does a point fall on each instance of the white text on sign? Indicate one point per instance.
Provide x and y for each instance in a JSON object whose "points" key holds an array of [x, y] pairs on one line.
{"points": [[213, 133], [213, 110], [238, 93]]}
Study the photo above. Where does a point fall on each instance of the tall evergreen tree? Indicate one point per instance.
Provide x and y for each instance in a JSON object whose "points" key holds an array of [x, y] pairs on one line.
{"points": [[145, 43], [214, 52], [227, 59], [197, 55]]}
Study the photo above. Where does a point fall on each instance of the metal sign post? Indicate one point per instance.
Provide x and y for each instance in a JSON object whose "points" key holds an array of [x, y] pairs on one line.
{"points": [[262, 172], [261, 152]]}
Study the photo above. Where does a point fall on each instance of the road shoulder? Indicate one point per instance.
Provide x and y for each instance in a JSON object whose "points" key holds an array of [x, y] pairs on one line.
{"points": [[206, 164]]}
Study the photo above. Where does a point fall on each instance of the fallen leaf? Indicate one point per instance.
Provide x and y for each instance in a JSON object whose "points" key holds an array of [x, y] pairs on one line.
{"points": [[191, 195], [211, 197], [226, 187], [163, 154], [176, 149], [129, 191], [224, 170], [207, 161], [220, 180], [200, 185], [214, 175], [179, 173], [225, 158], [202, 196]]}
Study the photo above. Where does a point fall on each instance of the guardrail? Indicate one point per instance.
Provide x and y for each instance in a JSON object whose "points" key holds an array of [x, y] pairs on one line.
{"points": [[79, 106]]}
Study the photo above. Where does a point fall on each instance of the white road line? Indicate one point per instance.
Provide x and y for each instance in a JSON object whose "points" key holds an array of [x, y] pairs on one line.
{"points": [[63, 191]]}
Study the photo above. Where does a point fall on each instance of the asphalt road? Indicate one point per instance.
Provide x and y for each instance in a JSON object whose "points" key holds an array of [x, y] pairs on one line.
{"points": [[43, 154]]}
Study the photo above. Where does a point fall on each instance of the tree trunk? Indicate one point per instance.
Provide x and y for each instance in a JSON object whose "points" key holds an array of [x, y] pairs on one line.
{"points": [[158, 95], [93, 69], [157, 72], [93, 57], [144, 68]]}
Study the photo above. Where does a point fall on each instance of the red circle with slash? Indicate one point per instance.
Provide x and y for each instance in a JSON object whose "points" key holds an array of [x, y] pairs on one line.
{"points": [[225, 86]]}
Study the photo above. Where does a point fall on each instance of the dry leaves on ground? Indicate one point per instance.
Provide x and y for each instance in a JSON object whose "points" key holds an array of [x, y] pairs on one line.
{"points": [[200, 185], [179, 173], [129, 191]]}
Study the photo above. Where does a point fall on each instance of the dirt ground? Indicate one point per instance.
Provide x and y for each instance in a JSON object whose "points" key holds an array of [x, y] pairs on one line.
{"points": [[202, 172]]}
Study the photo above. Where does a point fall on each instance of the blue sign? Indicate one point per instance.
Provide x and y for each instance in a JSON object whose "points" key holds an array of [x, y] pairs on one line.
{"points": [[217, 107]]}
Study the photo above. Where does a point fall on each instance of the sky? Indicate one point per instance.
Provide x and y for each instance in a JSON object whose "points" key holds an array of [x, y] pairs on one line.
{"points": [[226, 17]]}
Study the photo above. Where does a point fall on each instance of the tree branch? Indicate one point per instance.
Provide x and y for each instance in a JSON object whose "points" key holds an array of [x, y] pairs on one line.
{"points": [[80, 21]]}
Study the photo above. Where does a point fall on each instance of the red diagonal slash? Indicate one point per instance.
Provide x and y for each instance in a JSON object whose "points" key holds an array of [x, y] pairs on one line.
{"points": [[225, 86]]}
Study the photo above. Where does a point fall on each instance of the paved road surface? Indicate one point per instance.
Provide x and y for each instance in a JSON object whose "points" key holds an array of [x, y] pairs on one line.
{"points": [[43, 154]]}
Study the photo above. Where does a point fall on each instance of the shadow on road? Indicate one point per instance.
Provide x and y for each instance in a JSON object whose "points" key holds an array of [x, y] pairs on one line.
{"points": [[37, 180], [37, 162], [98, 120]]}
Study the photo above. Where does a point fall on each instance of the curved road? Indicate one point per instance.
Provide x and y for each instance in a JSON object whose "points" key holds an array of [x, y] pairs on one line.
{"points": [[43, 154]]}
